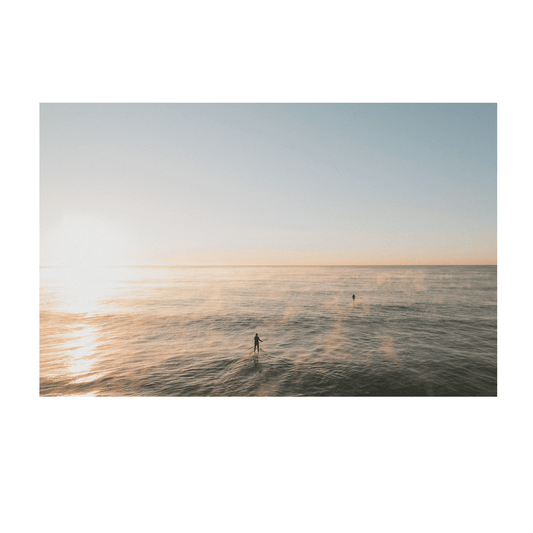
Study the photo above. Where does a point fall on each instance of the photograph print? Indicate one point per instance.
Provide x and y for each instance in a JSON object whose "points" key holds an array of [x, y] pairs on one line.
{"points": [[269, 249]]}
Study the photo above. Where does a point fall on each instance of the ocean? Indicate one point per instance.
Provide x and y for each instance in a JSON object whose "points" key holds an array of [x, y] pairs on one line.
{"points": [[189, 331]]}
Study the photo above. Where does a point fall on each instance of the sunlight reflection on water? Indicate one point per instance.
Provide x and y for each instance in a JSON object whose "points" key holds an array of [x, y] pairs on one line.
{"points": [[187, 331]]}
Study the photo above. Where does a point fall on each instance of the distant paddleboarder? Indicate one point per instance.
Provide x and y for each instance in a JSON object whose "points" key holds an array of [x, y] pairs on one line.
{"points": [[353, 296], [257, 340]]}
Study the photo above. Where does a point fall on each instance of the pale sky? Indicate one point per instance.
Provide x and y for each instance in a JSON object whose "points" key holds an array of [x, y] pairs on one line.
{"points": [[215, 184]]}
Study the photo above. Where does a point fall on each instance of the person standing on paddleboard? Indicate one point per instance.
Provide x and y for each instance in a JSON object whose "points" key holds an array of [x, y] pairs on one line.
{"points": [[257, 340], [353, 296]]}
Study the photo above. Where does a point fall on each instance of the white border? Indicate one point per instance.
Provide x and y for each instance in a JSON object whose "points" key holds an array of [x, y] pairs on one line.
{"points": [[17, 251], [30, 96]]}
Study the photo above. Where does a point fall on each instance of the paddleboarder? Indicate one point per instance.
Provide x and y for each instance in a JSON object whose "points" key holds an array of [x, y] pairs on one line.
{"points": [[257, 340]]}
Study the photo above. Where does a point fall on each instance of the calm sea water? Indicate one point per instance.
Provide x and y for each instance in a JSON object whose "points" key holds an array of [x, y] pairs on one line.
{"points": [[188, 331]]}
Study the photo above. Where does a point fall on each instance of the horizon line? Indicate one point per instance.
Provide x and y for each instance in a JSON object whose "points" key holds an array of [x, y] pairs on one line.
{"points": [[260, 266]]}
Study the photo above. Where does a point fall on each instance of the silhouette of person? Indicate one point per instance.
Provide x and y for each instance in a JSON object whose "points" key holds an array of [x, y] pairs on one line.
{"points": [[353, 296], [257, 340]]}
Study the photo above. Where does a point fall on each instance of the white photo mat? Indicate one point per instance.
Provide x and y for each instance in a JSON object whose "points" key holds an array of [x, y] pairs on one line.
{"points": [[30, 97]]}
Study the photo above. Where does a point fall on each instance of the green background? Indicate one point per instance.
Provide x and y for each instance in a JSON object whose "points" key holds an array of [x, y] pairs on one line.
{"points": [[259, 474]]}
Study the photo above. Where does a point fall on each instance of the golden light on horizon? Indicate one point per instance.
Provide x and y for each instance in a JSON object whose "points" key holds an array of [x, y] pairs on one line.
{"points": [[406, 256]]}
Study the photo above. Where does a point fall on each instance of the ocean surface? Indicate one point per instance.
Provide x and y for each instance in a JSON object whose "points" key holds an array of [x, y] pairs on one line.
{"points": [[188, 331]]}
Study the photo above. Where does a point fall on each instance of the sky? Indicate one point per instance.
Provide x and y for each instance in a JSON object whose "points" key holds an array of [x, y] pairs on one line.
{"points": [[267, 184]]}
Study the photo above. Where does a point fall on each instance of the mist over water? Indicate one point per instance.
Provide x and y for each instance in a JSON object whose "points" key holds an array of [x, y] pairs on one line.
{"points": [[188, 331]]}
